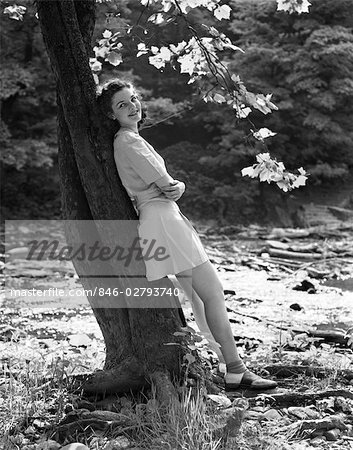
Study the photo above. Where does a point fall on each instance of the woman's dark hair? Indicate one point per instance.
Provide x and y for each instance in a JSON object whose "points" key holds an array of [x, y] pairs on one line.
{"points": [[105, 94]]}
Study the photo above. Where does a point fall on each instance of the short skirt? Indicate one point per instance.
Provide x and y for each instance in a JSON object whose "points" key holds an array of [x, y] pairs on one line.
{"points": [[175, 243]]}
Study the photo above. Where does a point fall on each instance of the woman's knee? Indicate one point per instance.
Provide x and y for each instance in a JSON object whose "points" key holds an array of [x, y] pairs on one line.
{"points": [[207, 273]]}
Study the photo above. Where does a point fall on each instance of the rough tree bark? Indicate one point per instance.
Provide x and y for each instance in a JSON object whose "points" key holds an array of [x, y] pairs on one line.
{"points": [[91, 190]]}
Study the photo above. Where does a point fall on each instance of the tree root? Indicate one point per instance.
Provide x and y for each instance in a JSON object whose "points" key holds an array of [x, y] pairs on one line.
{"points": [[281, 371], [298, 399], [118, 380], [79, 421], [166, 391]]}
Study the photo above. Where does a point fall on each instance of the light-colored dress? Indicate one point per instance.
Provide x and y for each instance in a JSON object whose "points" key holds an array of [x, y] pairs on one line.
{"points": [[139, 167]]}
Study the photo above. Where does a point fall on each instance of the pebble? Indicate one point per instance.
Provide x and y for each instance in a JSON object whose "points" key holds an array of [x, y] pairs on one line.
{"points": [[118, 443], [311, 413], [349, 431], [271, 414], [332, 435], [254, 415], [75, 446], [317, 442], [49, 445], [297, 412]]}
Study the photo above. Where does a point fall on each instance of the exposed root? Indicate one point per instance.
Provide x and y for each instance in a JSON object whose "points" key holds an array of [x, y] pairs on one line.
{"points": [[166, 391]]}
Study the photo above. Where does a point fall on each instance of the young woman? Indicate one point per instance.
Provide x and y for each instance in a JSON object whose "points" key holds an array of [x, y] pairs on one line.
{"points": [[154, 194]]}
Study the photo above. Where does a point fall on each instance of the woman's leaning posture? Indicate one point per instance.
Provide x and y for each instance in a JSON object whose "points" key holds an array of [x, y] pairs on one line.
{"points": [[155, 193]]}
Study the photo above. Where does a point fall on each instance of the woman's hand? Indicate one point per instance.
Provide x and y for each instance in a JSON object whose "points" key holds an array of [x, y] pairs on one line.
{"points": [[174, 191]]}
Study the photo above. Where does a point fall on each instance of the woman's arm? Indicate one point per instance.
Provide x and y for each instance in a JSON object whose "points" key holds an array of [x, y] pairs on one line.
{"points": [[172, 189]]}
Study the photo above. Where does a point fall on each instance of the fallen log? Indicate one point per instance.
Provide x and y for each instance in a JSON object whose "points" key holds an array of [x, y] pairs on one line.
{"points": [[284, 400]]}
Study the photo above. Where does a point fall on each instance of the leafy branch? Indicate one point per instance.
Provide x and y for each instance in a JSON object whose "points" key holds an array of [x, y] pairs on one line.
{"points": [[199, 59]]}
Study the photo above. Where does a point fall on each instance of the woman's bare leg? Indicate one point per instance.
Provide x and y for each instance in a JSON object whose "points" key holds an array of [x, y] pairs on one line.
{"points": [[198, 310], [204, 281]]}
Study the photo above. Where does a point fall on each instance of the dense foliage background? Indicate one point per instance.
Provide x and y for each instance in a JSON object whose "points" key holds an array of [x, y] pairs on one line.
{"points": [[306, 61]]}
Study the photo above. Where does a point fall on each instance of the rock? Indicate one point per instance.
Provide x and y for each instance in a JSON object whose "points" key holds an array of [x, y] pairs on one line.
{"points": [[40, 423], [332, 435], [296, 307], [297, 412], [30, 431], [75, 446], [118, 443], [311, 413], [254, 415], [305, 285], [349, 431], [79, 340], [317, 442], [48, 445], [343, 404], [271, 414]]}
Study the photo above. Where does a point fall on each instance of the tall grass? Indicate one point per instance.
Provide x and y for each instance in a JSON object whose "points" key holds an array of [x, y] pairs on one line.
{"points": [[187, 424]]}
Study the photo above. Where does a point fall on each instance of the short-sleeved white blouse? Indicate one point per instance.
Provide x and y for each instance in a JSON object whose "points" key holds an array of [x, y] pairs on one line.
{"points": [[139, 167]]}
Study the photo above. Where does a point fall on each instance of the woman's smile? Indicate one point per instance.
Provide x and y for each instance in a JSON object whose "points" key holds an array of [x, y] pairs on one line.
{"points": [[126, 108]]}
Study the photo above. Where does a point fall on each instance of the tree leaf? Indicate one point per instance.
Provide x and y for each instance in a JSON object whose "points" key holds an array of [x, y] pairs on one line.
{"points": [[222, 12], [107, 34], [221, 400], [218, 98], [114, 58]]}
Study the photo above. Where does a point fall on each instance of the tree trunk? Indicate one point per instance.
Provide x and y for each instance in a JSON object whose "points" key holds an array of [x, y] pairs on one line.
{"points": [[135, 337]]}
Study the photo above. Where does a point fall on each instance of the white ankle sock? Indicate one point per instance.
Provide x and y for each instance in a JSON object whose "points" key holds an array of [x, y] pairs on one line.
{"points": [[233, 377]]}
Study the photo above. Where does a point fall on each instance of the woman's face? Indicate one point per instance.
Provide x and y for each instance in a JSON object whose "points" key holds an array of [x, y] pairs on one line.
{"points": [[126, 107]]}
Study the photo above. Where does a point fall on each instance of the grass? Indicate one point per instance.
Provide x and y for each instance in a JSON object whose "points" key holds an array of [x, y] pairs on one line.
{"points": [[35, 394]]}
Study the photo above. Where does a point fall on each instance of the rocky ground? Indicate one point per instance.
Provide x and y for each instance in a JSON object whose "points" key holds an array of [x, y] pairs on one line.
{"points": [[287, 322]]}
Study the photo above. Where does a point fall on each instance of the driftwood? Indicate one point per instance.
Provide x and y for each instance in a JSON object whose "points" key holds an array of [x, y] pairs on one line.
{"points": [[281, 371], [284, 400]]}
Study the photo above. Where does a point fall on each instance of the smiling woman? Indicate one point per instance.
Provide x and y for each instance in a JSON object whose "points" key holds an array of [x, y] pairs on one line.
{"points": [[155, 193]]}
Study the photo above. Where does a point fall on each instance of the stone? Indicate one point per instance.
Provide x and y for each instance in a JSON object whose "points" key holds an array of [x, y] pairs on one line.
{"points": [[49, 445], [311, 413], [297, 412], [118, 443], [75, 446], [253, 415], [332, 435], [271, 414], [317, 442]]}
